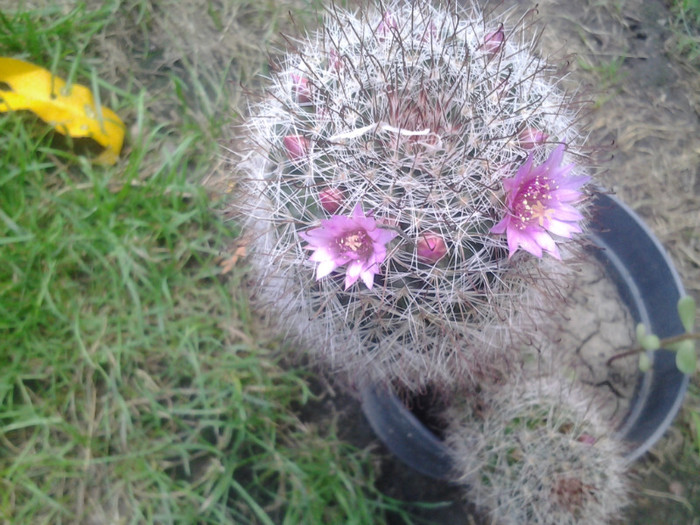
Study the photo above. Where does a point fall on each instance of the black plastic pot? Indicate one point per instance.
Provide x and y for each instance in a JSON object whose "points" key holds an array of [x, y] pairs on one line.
{"points": [[649, 285]]}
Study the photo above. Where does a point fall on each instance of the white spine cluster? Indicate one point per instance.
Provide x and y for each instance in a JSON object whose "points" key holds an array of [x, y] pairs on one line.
{"points": [[537, 453], [418, 113]]}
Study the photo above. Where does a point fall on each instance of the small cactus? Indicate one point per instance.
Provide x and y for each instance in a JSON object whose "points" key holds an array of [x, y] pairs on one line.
{"points": [[410, 180], [537, 453]]}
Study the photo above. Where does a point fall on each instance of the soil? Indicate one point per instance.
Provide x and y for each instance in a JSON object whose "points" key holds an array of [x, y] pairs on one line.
{"points": [[603, 329]]}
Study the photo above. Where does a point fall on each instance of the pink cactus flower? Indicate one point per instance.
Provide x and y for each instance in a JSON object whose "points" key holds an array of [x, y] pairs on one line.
{"points": [[531, 137], [297, 146], [431, 247], [538, 200], [356, 241]]}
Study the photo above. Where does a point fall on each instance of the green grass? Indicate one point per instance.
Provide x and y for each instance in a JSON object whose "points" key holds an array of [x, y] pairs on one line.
{"points": [[133, 386], [685, 25], [608, 76]]}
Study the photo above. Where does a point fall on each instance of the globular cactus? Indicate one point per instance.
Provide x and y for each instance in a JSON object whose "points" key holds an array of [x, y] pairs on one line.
{"points": [[410, 178], [538, 453]]}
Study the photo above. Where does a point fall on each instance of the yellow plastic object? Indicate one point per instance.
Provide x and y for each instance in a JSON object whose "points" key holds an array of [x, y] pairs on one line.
{"points": [[71, 110]]}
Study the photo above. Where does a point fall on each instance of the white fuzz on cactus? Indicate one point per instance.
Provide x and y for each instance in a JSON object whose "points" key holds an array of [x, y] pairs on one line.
{"points": [[409, 172], [538, 453]]}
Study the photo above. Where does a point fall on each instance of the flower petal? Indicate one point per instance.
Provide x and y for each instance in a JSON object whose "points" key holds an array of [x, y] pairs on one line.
{"points": [[502, 225], [566, 194], [357, 212], [536, 198], [565, 212], [356, 240], [368, 277], [385, 236], [573, 182], [563, 229], [546, 243], [322, 254], [524, 241], [352, 273], [555, 157], [325, 268]]}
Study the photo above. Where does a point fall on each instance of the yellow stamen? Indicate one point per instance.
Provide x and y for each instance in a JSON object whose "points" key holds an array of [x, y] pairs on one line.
{"points": [[541, 213]]}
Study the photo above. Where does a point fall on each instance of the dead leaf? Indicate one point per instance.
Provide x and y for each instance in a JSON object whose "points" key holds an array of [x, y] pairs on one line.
{"points": [[228, 264]]}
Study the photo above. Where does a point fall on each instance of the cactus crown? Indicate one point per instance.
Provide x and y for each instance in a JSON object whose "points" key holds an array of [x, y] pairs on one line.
{"points": [[420, 116]]}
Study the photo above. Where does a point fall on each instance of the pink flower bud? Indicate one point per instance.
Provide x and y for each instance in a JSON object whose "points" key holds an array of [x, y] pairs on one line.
{"points": [[430, 33], [531, 137], [587, 439], [334, 60], [431, 247], [297, 146], [386, 25], [301, 89], [494, 41], [331, 199]]}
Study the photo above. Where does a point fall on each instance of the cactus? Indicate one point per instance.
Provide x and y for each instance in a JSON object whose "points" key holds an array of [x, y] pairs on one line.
{"points": [[538, 453], [409, 182]]}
